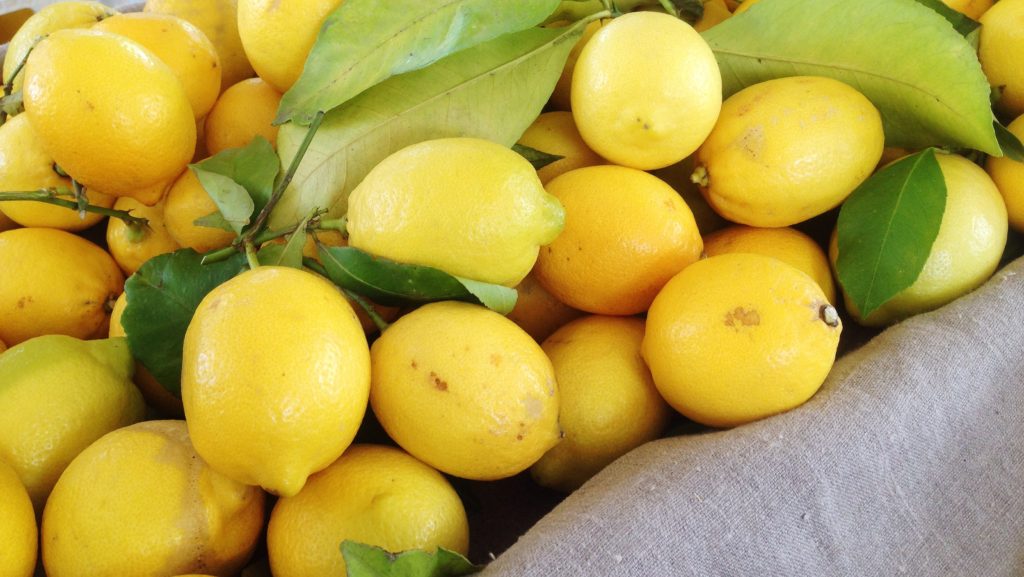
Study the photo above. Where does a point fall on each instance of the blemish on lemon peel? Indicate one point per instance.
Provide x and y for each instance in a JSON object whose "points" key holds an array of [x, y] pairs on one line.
{"points": [[742, 317]]}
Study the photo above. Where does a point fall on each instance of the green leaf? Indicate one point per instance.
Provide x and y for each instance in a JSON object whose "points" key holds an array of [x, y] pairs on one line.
{"points": [[232, 200], [922, 75], [251, 170], [392, 283], [493, 91], [369, 561], [537, 158], [961, 23], [1009, 143], [887, 227], [291, 253], [162, 297], [214, 220], [364, 42]]}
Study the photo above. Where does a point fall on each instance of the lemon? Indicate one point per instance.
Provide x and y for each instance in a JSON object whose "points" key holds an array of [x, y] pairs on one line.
{"points": [[218, 19], [555, 133], [646, 90], [49, 19], [311, 384], [186, 202], [608, 404], [278, 35], [242, 112], [140, 501], [1002, 39], [480, 403], [58, 395], [788, 149], [467, 206], [965, 253], [18, 530], [561, 98], [133, 247], [1008, 175], [786, 244], [54, 283], [715, 12], [374, 495], [971, 8], [109, 112], [739, 337], [179, 45], [538, 312], [626, 233]]}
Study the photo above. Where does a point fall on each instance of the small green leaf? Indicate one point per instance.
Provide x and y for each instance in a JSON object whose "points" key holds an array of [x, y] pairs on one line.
{"points": [[232, 200], [162, 297], [886, 230], [961, 23], [291, 255], [214, 220], [537, 158], [1008, 141], [254, 168], [393, 283], [369, 561], [364, 42]]}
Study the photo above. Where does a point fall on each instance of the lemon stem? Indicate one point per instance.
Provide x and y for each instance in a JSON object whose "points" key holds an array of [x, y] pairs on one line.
{"points": [[700, 177], [49, 196], [250, 255], [267, 235], [338, 224], [9, 85], [80, 197]]}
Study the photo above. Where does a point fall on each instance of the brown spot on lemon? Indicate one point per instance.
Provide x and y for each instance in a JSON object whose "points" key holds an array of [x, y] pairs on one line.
{"points": [[740, 316]]}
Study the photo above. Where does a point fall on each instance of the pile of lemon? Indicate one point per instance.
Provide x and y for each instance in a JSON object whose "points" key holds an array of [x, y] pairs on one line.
{"points": [[637, 298]]}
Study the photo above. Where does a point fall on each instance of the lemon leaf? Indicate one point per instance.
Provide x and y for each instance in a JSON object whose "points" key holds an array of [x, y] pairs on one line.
{"points": [[493, 90], [961, 22], [214, 220], [370, 561], [233, 202], [162, 297], [922, 75], [393, 283], [240, 180], [1009, 143], [364, 42], [537, 158], [886, 230], [288, 254]]}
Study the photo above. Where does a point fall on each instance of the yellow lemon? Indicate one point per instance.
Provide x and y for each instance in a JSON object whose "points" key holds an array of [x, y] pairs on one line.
{"points": [[242, 112], [186, 202], [1001, 42], [133, 247], [54, 283], [18, 531], [58, 395], [486, 381], [218, 19], [555, 133], [109, 112], [608, 404], [278, 35], [715, 12], [739, 337], [1008, 174], [374, 495], [971, 8], [140, 501], [538, 312], [179, 45], [24, 167], [626, 233], [312, 384], [965, 253], [561, 98], [467, 206], [786, 244], [49, 19], [646, 90]]}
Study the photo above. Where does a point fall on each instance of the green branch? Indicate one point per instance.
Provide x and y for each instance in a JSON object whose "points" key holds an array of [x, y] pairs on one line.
{"points": [[50, 196]]}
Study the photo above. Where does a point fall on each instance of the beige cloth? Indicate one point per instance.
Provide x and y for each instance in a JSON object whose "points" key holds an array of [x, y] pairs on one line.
{"points": [[909, 461]]}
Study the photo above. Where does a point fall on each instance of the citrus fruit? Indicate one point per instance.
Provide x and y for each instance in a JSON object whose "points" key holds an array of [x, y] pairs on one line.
{"points": [[467, 206], [480, 403], [278, 34], [179, 45], [971, 8], [561, 98], [58, 395], [1002, 39], [111, 114], [537, 312], [140, 501], [715, 12], [242, 112], [186, 202], [965, 253], [133, 247], [678, 177], [1008, 175], [25, 167], [646, 90], [607, 403], [372, 494], [555, 133], [312, 383], [218, 19], [626, 233], [54, 283], [788, 149], [786, 244], [739, 337], [18, 531]]}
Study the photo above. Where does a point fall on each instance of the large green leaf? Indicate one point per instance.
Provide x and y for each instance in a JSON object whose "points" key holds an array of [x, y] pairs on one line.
{"points": [[366, 41], [493, 90], [369, 561], [923, 76]]}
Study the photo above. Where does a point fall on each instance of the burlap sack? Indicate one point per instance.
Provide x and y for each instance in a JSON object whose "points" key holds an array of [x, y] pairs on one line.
{"points": [[909, 461]]}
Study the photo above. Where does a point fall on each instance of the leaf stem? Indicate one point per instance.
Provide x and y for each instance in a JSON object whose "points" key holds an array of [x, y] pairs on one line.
{"points": [[49, 196], [338, 224], [267, 235], [382, 325], [9, 85], [250, 255]]}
